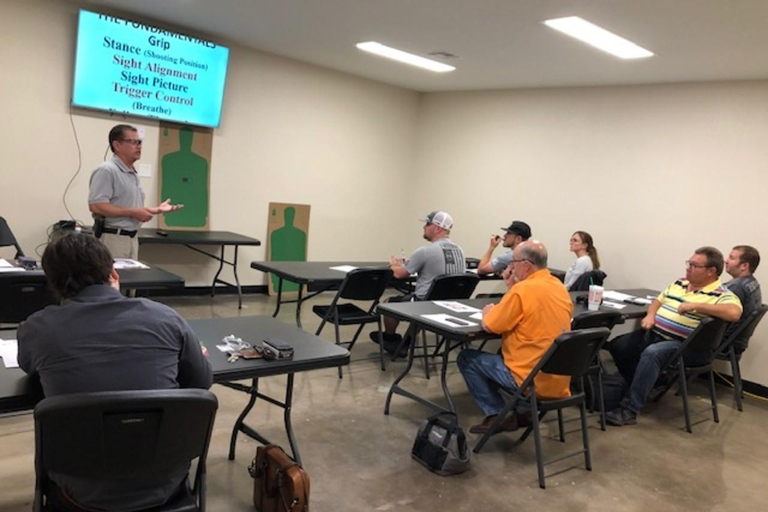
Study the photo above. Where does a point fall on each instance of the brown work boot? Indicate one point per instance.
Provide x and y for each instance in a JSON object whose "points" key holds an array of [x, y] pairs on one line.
{"points": [[508, 424]]}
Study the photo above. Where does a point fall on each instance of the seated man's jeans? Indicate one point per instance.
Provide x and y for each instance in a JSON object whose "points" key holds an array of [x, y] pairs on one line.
{"points": [[485, 373], [640, 356]]}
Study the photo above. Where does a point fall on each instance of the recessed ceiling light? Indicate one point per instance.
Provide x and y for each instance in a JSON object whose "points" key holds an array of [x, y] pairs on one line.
{"points": [[405, 57], [598, 37]]}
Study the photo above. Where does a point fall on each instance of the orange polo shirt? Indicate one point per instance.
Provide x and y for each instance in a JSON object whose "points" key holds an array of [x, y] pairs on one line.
{"points": [[531, 315]]}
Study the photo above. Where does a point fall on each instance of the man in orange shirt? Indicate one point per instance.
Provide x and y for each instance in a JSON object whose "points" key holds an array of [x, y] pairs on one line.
{"points": [[535, 311]]}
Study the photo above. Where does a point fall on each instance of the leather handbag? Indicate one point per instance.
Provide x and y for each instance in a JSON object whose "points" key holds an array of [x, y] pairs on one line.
{"points": [[280, 484]]}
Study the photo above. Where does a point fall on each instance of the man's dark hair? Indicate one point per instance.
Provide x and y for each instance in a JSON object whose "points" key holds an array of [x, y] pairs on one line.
{"points": [[74, 262], [749, 255], [117, 132], [714, 257]]}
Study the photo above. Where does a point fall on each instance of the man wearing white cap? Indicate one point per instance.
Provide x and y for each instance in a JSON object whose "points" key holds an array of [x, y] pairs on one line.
{"points": [[440, 257]]}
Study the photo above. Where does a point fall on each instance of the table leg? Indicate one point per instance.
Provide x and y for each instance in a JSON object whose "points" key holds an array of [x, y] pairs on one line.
{"points": [[287, 420], [443, 371], [218, 272], [237, 279], [298, 306], [253, 391], [279, 295]]}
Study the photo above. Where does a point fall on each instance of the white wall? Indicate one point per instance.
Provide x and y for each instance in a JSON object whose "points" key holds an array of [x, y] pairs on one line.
{"points": [[290, 132], [652, 172]]}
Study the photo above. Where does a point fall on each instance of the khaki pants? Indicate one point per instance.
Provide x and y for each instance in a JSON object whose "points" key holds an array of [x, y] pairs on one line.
{"points": [[121, 246]]}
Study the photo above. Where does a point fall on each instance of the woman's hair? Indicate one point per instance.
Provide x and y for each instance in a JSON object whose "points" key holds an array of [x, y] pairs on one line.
{"points": [[591, 250]]}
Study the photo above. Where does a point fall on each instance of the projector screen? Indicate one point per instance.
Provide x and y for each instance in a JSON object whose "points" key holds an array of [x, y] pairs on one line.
{"points": [[133, 68]]}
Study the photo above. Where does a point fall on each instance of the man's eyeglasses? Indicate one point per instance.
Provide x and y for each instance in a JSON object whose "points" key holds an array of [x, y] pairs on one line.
{"points": [[134, 142], [689, 263], [513, 261]]}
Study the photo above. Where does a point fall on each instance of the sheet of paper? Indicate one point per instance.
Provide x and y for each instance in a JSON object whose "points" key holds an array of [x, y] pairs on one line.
{"points": [[122, 263], [456, 307], [343, 268], [613, 305], [617, 296], [6, 266], [9, 351], [643, 301], [450, 321], [477, 316]]}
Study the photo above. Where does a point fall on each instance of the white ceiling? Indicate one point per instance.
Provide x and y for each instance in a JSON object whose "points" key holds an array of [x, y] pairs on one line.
{"points": [[499, 44]]}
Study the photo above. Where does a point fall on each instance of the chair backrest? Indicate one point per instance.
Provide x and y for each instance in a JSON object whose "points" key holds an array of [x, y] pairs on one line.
{"points": [[121, 434], [572, 353], [453, 286], [707, 336], [21, 295], [7, 238], [590, 319], [584, 280], [745, 330], [365, 283]]}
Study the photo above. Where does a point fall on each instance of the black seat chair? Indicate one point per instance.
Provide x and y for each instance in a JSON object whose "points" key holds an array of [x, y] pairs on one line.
{"points": [[704, 339], [7, 239], [447, 287], [728, 351], [571, 354], [594, 375], [584, 280], [114, 436], [360, 284]]}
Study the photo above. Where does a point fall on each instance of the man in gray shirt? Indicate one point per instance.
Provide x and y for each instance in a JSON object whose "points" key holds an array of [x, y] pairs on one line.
{"points": [[99, 340], [517, 233], [741, 265], [116, 196], [440, 257]]}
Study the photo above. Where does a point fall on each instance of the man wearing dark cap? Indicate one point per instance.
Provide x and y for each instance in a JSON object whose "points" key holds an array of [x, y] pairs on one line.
{"points": [[517, 233]]}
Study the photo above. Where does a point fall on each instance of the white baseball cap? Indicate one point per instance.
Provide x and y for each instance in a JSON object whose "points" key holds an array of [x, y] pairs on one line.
{"points": [[439, 219]]}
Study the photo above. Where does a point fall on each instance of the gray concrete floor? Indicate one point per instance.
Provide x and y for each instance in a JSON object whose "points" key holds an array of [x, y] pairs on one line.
{"points": [[359, 459]]}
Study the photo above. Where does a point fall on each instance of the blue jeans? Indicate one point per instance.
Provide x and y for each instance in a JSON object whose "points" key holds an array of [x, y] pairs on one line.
{"points": [[485, 373], [640, 356]]}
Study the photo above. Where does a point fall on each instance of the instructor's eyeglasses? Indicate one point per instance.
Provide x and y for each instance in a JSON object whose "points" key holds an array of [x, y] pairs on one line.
{"points": [[134, 142]]}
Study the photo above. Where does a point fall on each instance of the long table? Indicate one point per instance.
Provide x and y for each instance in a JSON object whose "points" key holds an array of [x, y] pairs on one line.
{"points": [[190, 239], [456, 336], [26, 291], [321, 276], [19, 392]]}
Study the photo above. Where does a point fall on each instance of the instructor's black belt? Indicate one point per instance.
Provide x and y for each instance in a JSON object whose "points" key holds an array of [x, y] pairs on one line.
{"points": [[119, 231]]}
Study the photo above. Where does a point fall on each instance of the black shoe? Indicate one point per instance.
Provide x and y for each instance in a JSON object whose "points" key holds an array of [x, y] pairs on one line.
{"points": [[392, 348], [387, 337], [620, 417]]}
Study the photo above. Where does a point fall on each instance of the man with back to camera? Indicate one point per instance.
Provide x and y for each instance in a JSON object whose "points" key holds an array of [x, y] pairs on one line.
{"points": [[440, 257], [741, 264], [535, 310], [517, 233], [672, 316], [99, 340], [116, 197]]}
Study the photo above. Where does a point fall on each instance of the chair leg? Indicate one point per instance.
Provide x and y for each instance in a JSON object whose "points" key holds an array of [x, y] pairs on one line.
{"points": [[426, 354], [561, 425], [537, 440], [684, 394], [585, 438], [338, 339], [601, 398], [713, 397], [737, 384], [381, 345]]}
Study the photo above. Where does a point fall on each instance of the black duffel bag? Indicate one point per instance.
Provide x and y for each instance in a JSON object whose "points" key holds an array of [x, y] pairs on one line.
{"points": [[441, 445]]}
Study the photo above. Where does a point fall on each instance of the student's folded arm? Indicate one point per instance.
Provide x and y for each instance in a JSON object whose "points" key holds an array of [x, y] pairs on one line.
{"points": [[194, 368]]}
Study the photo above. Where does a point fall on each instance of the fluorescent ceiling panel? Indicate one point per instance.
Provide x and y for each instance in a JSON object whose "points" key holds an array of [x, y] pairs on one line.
{"points": [[598, 37], [404, 57]]}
